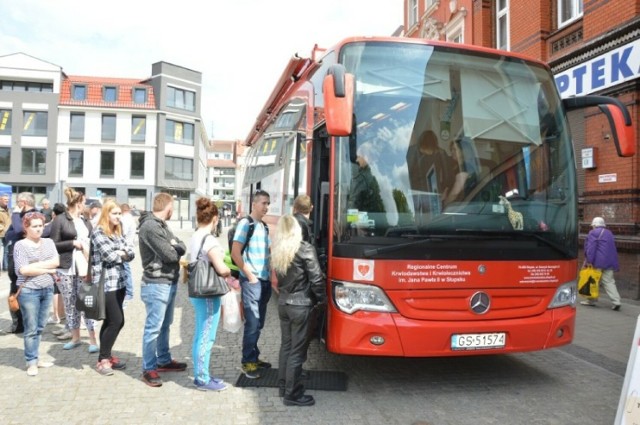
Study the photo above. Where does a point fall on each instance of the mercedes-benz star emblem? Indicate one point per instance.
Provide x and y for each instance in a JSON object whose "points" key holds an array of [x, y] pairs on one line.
{"points": [[480, 303]]}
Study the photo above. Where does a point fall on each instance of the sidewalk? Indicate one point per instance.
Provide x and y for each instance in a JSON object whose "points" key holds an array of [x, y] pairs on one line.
{"points": [[72, 392]]}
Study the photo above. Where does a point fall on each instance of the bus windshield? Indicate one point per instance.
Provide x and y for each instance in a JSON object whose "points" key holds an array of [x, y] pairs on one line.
{"points": [[452, 147]]}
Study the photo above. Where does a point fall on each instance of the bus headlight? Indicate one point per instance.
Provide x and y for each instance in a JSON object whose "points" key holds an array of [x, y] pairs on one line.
{"points": [[351, 297], [565, 295]]}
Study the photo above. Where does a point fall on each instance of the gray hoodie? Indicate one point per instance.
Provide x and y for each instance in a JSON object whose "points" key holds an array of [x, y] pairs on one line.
{"points": [[160, 259]]}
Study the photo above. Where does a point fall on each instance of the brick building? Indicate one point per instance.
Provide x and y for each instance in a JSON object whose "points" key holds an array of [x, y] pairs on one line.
{"points": [[593, 47]]}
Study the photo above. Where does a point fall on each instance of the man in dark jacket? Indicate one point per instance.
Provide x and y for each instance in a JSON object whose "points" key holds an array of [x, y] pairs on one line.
{"points": [[301, 211], [160, 252], [600, 252]]}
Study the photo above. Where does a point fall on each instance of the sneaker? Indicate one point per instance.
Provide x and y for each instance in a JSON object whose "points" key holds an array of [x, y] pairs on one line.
{"points": [[263, 365], [104, 367], [303, 400], [589, 303], [65, 335], [52, 321], [151, 378], [615, 307], [250, 370], [211, 386], [58, 332], [43, 365], [32, 370], [117, 364], [174, 366]]}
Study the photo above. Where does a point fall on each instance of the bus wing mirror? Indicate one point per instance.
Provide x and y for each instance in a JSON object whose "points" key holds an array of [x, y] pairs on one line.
{"points": [[622, 130], [623, 135], [338, 89]]}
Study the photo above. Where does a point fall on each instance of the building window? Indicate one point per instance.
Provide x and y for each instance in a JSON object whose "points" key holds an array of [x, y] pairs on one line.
{"points": [[179, 132], [35, 123], [34, 161], [139, 95], [181, 99], [108, 127], [568, 11], [138, 128], [137, 165], [76, 128], [178, 168], [137, 198], [502, 25], [5, 160], [79, 92], [109, 94], [76, 163], [106, 192], [107, 163], [8, 85], [413, 12], [5, 121]]}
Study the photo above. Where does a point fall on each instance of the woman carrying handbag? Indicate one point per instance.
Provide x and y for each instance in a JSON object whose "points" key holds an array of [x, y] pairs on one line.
{"points": [[207, 310], [110, 251]]}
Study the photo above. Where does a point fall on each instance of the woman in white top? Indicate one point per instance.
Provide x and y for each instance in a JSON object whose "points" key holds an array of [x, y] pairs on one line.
{"points": [[207, 310]]}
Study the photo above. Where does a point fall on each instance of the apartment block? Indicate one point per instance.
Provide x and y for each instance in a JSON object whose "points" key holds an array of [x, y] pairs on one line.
{"points": [[126, 138]]}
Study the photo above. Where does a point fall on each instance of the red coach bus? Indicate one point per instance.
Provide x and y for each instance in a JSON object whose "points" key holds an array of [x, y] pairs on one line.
{"points": [[443, 180]]}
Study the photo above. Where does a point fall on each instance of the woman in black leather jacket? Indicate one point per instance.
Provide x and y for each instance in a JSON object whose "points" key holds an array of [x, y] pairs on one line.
{"points": [[301, 286]]}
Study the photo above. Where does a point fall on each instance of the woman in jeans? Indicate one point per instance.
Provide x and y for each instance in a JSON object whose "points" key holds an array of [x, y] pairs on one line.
{"points": [[207, 310], [70, 232], [35, 261], [110, 252]]}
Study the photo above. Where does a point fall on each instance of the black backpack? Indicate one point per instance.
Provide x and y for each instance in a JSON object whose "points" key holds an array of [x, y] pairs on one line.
{"points": [[232, 231]]}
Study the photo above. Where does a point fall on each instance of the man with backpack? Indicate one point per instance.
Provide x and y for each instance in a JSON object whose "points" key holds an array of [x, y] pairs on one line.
{"points": [[250, 253]]}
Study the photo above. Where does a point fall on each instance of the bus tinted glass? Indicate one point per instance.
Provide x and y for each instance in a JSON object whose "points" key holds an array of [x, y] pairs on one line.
{"points": [[453, 143]]}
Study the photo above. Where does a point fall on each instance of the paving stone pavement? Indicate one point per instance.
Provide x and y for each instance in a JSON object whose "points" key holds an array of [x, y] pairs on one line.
{"points": [[72, 392]]}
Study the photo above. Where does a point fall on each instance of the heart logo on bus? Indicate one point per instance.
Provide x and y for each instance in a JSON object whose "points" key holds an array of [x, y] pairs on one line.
{"points": [[363, 270]]}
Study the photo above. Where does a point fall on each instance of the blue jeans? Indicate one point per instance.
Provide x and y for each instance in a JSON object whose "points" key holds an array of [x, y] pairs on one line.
{"points": [[207, 316], [159, 300], [35, 305], [129, 279], [255, 297]]}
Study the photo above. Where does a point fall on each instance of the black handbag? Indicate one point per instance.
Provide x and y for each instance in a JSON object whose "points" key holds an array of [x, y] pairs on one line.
{"points": [[90, 297], [204, 281]]}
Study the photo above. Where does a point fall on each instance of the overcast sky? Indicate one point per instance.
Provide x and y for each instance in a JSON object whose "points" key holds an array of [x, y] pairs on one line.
{"points": [[239, 46]]}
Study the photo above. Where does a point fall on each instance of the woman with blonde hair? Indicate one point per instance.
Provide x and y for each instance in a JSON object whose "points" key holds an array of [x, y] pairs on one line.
{"points": [[207, 310], [110, 251], [70, 232], [301, 285]]}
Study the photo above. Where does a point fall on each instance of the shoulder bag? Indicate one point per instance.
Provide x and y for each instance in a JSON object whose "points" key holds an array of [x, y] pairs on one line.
{"points": [[90, 297], [204, 281]]}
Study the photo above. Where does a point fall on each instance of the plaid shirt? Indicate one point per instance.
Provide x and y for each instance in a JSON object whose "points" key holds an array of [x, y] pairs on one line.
{"points": [[104, 255]]}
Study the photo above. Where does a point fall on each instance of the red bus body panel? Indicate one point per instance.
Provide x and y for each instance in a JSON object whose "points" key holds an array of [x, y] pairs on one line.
{"points": [[433, 303]]}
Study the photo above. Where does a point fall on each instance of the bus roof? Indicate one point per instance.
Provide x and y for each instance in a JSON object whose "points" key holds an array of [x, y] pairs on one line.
{"points": [[299, 66]]}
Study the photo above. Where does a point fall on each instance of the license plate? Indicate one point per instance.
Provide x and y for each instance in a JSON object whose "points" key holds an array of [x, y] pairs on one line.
{"points": [[478, 341]]}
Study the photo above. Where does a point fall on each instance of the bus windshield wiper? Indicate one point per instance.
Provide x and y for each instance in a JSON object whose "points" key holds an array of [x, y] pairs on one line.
{"points": [[368, 253], [558, 247]]}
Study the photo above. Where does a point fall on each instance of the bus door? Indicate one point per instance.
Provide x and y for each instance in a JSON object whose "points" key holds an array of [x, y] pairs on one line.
{"points": [[320, 155]]}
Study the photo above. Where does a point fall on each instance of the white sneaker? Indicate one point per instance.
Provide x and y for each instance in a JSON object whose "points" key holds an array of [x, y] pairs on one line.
{"points": [[52, 321], [44, 365], [32, 370]]}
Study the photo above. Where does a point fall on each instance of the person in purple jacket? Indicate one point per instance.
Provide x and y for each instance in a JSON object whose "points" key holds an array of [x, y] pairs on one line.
{"points": [[600, 252]]}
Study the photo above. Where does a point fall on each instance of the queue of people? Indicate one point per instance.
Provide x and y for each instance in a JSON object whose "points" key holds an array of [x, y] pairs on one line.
{"points": [[76, 250]]}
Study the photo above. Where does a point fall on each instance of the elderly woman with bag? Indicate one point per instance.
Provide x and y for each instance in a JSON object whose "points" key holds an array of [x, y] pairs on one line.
{"points": [[109, 252], [35, 261], [301, 286], [207, 310]]}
